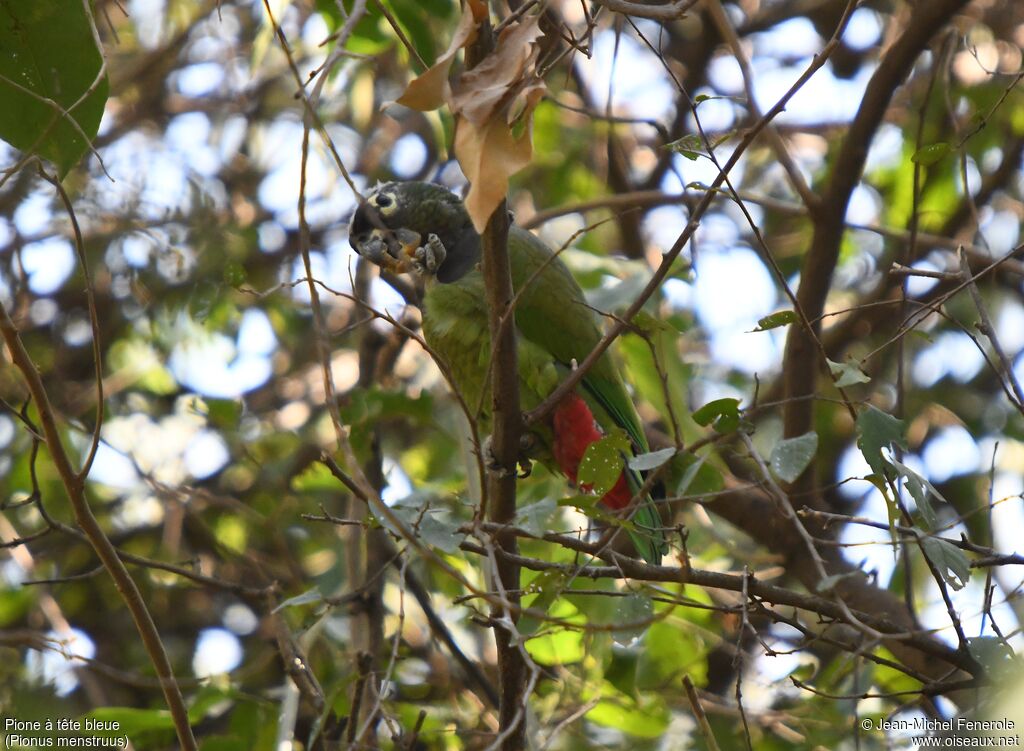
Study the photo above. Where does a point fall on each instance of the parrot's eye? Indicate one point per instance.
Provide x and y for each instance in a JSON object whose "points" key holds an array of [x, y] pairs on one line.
{"points": [[385, 202]]}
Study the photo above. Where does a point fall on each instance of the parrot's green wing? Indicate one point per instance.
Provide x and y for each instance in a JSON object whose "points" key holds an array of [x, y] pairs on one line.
{"points": [[552, 314]]}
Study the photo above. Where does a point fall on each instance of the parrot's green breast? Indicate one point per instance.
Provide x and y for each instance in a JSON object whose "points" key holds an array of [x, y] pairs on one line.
{"points": [[554, 330], [455, 325]]}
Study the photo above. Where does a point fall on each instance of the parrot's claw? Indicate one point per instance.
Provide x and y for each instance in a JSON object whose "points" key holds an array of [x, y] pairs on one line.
{"points": [[374, 250], [428, 257], [527, 442]]}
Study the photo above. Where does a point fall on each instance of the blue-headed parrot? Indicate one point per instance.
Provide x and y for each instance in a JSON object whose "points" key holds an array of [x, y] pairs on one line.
{"points": [[423, 227]]}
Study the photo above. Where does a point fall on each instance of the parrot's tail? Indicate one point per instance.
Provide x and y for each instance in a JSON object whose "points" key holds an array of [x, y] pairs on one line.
{"points": [[575, 429], [648, 535]]}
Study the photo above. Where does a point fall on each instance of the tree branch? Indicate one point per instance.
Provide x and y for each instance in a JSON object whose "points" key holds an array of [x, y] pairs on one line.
{"points": [[499, 502], [800, 364], [74, 485]]}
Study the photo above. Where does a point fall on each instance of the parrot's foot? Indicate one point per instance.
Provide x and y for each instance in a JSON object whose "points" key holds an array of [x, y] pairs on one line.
{"points": [[428, 257], [527, 442], [392, 251]]}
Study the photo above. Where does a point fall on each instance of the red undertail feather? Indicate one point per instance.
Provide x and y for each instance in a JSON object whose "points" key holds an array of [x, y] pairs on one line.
{"points": [[575, 430]]}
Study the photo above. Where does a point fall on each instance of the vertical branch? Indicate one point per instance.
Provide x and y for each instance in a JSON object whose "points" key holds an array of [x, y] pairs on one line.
{"points": [[800, 366], [506, 430], [375, 553]]}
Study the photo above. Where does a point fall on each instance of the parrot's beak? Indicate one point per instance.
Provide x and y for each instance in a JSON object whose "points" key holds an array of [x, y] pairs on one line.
{"points": [[392, 250]]}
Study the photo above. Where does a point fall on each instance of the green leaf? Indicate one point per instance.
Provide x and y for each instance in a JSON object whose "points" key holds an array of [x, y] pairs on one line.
{"points": [[670, 648], [829, 582], [641, 718], [140, 365], [690, 146], [49, 53], [892, 508], [581, 501], [562, 647], [993, 653], [130, 721], [603, 462], [224, 413], [559, 645], [950, 560], [14, 603], [724, 414], [541, 593], [315, 477], [536, 518], [691, 474], [633, 613], [432, 526], [371, 406], [791, 456], [234, 274], [209, 699], [921, 490], [928, 155], [877, 430], [306, 598], [651, 460], [775, 320], [847, 374]]}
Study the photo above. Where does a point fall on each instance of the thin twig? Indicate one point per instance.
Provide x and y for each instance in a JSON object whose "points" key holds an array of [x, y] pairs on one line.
{"points": [[698, 714]]}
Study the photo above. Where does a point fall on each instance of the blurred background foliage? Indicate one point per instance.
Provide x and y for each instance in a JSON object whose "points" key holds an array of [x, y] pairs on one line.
{"points": [[215, 406]]}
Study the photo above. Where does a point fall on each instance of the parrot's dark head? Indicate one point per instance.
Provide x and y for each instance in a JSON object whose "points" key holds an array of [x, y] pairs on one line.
{"points": [[415, 226]]}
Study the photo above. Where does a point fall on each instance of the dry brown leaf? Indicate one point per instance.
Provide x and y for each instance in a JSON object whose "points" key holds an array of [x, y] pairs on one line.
{"points": [[489, 154], [493, 100], [431, 89], [491, 103], [483, 89]]}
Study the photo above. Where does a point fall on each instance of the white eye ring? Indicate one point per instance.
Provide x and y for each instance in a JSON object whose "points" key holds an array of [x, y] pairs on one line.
{"points": [[384, 202]]}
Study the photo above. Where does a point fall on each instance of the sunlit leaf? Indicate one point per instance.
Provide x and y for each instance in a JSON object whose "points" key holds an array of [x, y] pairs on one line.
{"points": [[722, 414], [791, 456], [643, 719], [603, 462], [930, 154], [536, 518], [847, 374], [950, 560], [315, 477], [556, 644], [690, 146], [877, 430], [920, 490], [633, 614], [232, 533], [52, 92], [775, 320], [891, 506], [651, 460]]}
